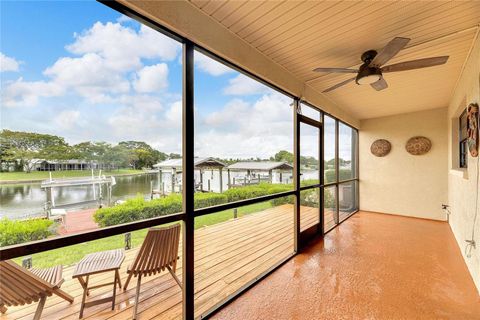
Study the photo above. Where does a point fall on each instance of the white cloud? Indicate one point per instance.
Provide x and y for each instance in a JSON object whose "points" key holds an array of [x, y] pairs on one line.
{"points": [[24, 93], [124, 19], [243, 85], [107, 66], [174, 114], [123, 47], [141, 102], [8, 63], [234, 111], [108, 54], [90, 76], [241, 129], [152, 78], [210, 65], [162, 130], [67, 119], [273, 106]]}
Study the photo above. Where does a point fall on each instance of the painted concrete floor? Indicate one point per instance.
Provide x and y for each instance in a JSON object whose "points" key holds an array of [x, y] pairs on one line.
{"points": [[373, 266]]}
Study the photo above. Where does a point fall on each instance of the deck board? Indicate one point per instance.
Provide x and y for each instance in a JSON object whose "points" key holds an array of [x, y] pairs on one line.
{"points": [[228, 255]]}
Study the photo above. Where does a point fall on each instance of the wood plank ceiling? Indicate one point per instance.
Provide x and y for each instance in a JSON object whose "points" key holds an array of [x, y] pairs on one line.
{"points": [[303, 35]]}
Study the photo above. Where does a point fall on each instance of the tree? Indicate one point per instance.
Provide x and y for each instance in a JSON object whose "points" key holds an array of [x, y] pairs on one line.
{"points": [[160, 156], [117, 157], [6, 156], [145, 155], [99, 152], [58, 152], [174, 156], [284, 156], [23, 147]]}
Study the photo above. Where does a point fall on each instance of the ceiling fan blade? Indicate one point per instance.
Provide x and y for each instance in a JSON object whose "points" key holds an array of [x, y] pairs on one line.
{"points": [[338, 85], [335, 70], [415, 64], [380, 84], [389, 51]]}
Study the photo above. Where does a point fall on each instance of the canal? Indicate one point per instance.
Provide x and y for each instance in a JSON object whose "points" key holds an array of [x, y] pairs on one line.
{"points": [[23, 200]]}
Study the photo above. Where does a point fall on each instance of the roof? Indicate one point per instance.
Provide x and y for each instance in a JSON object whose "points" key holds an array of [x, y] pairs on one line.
{"points": [[205, 162], [69, 161], [69, 182], [260, 165]]}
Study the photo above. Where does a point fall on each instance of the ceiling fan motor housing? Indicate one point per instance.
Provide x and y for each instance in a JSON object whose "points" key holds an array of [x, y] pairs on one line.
{"points": [[368, 75], [368, 56]]}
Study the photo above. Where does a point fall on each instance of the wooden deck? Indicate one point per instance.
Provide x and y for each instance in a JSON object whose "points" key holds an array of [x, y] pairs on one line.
{"points": [[228, 255], [78, 221]]}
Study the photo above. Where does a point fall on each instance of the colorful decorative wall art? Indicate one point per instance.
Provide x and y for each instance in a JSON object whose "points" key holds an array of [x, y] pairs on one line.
{"points": [[472, 129]]}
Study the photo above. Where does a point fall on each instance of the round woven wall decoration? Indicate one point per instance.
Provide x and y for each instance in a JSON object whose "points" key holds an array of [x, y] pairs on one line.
{"points": [[380, 148], [418, 145]]}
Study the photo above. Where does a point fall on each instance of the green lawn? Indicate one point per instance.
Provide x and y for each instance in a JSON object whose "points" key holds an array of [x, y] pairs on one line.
{"points": [[36, 175], [72, 254], [222, 216]]}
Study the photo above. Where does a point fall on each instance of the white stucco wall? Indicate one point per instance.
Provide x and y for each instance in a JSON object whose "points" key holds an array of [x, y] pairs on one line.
{"points": [[463, 184], [401, 183]]}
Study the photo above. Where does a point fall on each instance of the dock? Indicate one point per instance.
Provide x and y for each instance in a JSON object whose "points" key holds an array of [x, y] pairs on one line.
{"points": [[95, 182]]}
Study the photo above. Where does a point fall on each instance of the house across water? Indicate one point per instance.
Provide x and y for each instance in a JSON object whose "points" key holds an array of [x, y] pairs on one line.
{"points": [[210, 174], [59, 165], [255, 172]]}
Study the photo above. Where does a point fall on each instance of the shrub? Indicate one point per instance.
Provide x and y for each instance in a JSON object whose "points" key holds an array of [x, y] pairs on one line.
{"points": [[310, 198], [344, 174], [19, 231], [203, 200], [259, 190], [329, 198], [248, 192], [280, 201], [137, 208], [309, 182]]}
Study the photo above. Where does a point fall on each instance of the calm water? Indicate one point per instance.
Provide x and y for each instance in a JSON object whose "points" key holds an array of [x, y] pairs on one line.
{"points": [[23, 200]]}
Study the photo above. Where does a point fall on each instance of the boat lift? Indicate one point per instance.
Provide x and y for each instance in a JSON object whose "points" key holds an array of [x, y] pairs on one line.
{"points": [[96, 183]]}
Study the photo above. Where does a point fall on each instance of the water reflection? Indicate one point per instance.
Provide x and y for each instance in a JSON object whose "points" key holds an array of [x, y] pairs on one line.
{"points": [[22, 200]]}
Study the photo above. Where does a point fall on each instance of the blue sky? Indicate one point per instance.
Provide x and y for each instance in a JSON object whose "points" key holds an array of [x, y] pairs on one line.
{"points": [[81, 70]]}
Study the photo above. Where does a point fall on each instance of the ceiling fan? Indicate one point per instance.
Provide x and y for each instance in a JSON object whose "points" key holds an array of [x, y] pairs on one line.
{"points": [[371, 71]]}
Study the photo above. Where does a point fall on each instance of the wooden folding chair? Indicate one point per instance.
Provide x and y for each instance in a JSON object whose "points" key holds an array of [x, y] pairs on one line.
{"points": [[19, 286], [158, 252]]}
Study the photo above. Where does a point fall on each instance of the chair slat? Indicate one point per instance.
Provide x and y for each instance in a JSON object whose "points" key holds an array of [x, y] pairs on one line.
{"points": [[162, 240], [21, 286], [159, 250], [168, 248], [155, 255]]}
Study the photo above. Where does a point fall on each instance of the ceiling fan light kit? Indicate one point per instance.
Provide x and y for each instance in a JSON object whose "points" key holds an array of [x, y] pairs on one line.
{"points": [[371, 71], [368, 75]]}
